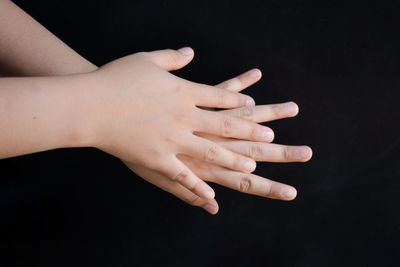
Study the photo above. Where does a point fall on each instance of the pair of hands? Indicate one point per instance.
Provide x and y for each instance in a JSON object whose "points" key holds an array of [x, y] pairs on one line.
{"points": [[164, 129]]}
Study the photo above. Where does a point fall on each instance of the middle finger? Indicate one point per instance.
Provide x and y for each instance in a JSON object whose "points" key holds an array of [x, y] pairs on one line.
{"points": [[219, 124]]}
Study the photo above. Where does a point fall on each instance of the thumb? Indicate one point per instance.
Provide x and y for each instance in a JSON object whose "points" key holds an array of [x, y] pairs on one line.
{"points": [[170, 59]]}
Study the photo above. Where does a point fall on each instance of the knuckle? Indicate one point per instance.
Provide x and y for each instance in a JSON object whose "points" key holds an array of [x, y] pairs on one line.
{"points": [[194, 200], [241, 79], [255, 151], [191, 186], [286, 154], [254, 132], [246, 112], [181, 176], [245, 184], [226, 126], [225, 85], [276, 110], [221, 98], [211, 153], [267, 190]]}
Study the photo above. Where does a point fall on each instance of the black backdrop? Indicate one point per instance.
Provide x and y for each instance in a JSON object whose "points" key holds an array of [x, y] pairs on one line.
{"points": [[340, 63]]}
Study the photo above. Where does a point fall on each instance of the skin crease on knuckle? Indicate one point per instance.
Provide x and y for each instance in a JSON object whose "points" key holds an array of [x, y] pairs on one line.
{"points": [[194, 200], [246, 112], [286, 155], [253, 133], [181, 176], [255, 151], [226, 126], [268, 190], [245, 184], [211, 154], [221, 96]]}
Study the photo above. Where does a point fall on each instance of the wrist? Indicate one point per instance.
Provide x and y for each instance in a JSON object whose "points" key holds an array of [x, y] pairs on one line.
{"points": [[85, 112]]}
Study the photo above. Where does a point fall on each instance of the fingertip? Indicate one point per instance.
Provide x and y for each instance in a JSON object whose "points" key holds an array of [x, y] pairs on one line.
{"points": [[268, 135], [307, 154], [296, 109], [311, 152], [171, 59], [186, 51], [255, 73], [291, 108], [295, 194], [288, 193], [212, 209], [250, 102], [250, 165]]}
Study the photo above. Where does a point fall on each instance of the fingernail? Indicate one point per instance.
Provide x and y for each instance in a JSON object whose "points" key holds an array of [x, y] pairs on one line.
{"points": [[208, 194], [187, 51], [288, 193], [301, 153], [250, 102], [267, 136], [289, 108], [249, 166], [254, 73], [209, 208]]}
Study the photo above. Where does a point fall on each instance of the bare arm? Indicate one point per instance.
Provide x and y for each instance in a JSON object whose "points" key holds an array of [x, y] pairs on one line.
{"points": [[41, 113], [29, 49]]}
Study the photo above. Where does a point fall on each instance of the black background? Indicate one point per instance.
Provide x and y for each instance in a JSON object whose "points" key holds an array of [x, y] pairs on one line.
{"points": [[339, 63]]}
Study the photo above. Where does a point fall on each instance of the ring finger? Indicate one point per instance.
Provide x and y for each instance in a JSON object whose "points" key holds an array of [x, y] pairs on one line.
{"points": [[243, 182]]}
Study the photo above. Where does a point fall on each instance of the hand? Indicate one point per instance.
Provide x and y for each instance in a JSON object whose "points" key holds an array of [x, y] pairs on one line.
{"points": [[145, 115], [260, 151]]}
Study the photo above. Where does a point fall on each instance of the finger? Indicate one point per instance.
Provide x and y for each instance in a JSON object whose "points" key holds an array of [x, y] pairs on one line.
{"points": [[264, 113], [244, 182], [241, 81], [219, 124], [170, 59], [254, 185], [208, 151], [214, 97], [260, 151], [174, 188], [179, 172]]}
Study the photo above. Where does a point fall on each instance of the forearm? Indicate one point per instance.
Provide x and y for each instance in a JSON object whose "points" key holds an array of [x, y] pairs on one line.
{"points": [[29, 49], [43, 113]]}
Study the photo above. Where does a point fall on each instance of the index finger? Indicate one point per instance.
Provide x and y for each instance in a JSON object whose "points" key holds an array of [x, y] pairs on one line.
{"points": [[241, 81], [214, 97]]}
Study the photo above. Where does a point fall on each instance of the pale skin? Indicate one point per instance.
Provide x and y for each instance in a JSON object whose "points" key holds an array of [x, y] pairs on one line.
{"points": [[177, 143]]}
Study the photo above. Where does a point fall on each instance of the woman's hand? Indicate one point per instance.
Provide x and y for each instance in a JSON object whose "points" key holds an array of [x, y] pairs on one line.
{"points": [[144, 115], [259, 151]]}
